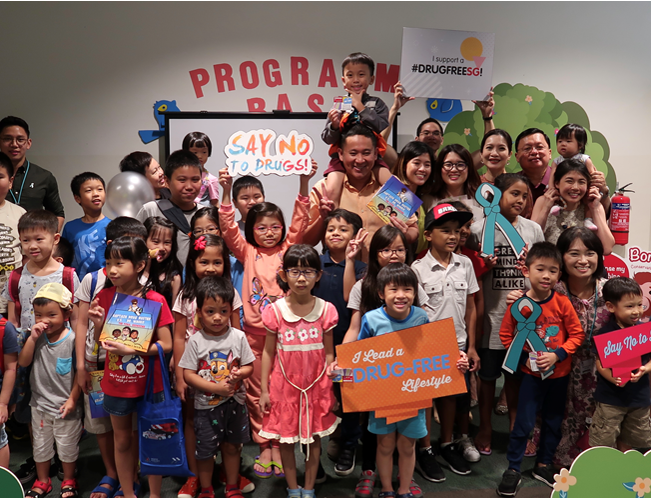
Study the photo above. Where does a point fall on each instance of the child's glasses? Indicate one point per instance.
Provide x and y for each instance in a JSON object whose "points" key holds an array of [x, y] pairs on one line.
{"points": [[309, 273], [387, 253], [201, 231], [262, 230]]}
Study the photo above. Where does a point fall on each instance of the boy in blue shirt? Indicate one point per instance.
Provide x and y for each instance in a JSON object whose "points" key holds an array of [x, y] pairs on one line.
{"points": [[622, 414], [339, 275], [88, 233], [397, 286]]}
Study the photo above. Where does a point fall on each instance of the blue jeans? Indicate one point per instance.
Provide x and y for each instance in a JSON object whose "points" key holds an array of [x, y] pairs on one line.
{"points": [[536, 394]]}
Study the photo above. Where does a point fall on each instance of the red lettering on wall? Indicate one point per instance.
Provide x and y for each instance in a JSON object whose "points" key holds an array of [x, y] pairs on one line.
{"points": [[224, 77], [328, 74], [283, 102], [199, 78], [386, 78], [271, 73], [249, 75], [314, 101], [256, 105], [299, 70]]}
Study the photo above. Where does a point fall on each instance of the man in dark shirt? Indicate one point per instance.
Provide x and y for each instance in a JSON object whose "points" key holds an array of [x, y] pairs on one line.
{"points": [[33, 186]]}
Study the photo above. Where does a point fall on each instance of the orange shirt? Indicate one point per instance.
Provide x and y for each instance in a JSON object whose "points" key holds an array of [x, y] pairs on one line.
{"points": [[558, 327]]}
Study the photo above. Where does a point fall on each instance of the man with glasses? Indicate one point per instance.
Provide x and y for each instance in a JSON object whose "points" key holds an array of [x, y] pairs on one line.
{"points": [[33, 186], [358, 154], [430, 132]]}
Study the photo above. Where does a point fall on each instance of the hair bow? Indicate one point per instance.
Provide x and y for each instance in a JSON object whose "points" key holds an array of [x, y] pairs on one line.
{"points": [[200, 243]]}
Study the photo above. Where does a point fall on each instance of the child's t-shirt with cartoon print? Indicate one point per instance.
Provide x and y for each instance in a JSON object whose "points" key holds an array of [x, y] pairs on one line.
{"points": [[212, 358]]}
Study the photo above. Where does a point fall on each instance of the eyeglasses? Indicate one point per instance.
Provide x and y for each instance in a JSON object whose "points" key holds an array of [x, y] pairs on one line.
{"points": [[536, 148], [262, 230], [430, 133], [387, 253], [201, 231], [448, 166], [309, 273], [9, 140]]}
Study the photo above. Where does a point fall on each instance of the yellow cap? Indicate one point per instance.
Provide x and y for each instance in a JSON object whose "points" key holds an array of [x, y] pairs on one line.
{"points": [[56, 292]]}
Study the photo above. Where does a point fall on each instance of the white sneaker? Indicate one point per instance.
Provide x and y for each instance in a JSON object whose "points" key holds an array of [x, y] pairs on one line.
{"points": [[469, 451]]}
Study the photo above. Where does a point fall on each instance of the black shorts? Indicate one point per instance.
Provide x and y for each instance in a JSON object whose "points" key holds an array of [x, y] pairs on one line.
{"points": [[491, 365], [228, 422]]}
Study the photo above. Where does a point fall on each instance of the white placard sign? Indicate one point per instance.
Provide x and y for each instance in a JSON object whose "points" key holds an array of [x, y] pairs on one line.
{"points": [[441, 63]]}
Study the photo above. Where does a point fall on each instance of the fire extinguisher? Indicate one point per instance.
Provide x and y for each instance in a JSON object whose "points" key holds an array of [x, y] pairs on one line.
{"points": [[619, 221]]}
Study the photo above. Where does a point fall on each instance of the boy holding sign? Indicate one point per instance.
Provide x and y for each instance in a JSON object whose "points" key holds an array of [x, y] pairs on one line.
{"points": [[546, 317], [622, 414]]}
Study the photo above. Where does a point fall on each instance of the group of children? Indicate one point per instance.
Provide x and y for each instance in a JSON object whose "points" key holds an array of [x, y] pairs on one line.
{"points": [[250, 318]]}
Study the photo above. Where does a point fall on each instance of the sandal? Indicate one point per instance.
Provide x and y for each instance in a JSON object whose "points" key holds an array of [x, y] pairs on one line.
{"points": [[483, 450], [44, 487], [69, 488], [121, 493], [277, 466], [531, 448], [365, 486], [387, 494], [269, 468], [108, 492]]}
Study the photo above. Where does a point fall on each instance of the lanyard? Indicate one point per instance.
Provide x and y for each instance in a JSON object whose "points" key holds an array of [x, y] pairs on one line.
{"points": [[20, 193]]}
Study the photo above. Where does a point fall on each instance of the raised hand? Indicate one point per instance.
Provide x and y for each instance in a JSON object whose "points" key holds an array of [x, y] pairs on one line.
{"points": [[356, 244], [486, 106]]}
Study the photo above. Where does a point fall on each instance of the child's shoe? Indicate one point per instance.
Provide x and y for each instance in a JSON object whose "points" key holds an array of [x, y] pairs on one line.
{"points": [[308, 493], [189, 488], [233, 492], [509, 484], [469, 451], [294, 493], [545, 474], [207, 493], [387, 494], [365, 486], [588, 223]]}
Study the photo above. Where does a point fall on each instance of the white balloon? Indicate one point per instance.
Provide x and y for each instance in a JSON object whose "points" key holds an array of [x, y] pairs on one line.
{"points": [[128, 192]]}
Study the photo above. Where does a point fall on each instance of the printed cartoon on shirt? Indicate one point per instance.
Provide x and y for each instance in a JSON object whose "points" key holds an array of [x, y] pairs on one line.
{"points": [[131, 365], [7, 257], [216, 370], [505, 274]]}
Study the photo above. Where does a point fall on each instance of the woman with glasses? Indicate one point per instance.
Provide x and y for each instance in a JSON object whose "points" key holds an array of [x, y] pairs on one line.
{"points": [[455, 179]]}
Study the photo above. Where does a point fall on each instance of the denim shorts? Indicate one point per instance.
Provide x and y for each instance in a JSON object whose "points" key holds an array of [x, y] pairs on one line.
{"points": [[122, 407], [4, 440]]}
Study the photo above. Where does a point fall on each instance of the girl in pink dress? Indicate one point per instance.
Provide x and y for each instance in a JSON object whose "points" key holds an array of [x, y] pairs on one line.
{"points": [[297, 400]]}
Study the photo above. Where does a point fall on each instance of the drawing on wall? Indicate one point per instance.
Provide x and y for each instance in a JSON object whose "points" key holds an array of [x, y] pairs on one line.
{"points": [[148, 136], [519, 107], [443, 110]]}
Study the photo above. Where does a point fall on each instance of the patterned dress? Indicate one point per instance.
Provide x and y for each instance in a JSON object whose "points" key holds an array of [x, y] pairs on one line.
{"points": [[300, 392]]}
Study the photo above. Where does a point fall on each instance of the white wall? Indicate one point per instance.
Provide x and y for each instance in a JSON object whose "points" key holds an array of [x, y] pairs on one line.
{"points": [[85, 75]]}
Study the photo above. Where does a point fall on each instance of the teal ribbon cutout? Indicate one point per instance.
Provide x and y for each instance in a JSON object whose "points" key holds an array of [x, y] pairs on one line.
{"points": [[493, 220], [525, 332]]}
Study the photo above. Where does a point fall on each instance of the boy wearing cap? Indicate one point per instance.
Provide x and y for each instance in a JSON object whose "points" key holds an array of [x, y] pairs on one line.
{"points": [[56, 415], [449, 280]]}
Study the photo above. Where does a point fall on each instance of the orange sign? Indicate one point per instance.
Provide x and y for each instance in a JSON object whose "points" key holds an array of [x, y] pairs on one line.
{"points": [[396, 374]]}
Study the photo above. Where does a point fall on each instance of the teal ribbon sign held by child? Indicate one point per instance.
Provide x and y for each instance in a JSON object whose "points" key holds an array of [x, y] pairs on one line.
{"points": [[525, 332], [494, 219]]}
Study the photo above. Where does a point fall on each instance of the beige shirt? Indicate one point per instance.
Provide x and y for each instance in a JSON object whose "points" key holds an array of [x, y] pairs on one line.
{"points": [[447, 290], [352, 200]]}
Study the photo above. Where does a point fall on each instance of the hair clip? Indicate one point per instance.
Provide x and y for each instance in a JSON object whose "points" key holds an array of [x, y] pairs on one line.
{"points": [[200, 243]]}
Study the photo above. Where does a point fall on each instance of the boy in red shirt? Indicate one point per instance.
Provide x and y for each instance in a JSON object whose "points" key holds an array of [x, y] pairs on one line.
{"points": [[560, 331]]}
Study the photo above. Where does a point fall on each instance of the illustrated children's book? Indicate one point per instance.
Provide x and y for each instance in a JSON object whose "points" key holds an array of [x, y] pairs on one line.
{"points": [[394, 199], [131, 321], [96, 395]]}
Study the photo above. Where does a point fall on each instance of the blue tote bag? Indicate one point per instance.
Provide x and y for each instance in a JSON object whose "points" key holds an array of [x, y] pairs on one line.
{"points": [[160, 428]]}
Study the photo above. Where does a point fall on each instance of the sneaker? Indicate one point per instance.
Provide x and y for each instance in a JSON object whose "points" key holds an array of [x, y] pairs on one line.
{"points": [[245, 485], [365, 486], [190, 488], [321, 475], [454, 459], [27, 471], [509, 483], [469, 451], [346, 462], [428, 467], [545, 474]]}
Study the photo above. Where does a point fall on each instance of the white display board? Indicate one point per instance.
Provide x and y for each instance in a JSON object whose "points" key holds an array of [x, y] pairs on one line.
{"points": [[220, 128]]}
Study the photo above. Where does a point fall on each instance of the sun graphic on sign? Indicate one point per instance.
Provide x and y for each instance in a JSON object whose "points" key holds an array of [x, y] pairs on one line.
{"points": [[471, 49]]}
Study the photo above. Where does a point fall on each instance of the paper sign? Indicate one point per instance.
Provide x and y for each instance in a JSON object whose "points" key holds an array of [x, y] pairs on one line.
{"points": [[441, 63], [621, 345], [394, 199], [401, 370], [260, 152]]}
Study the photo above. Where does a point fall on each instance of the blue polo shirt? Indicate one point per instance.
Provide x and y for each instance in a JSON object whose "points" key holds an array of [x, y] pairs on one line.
{"points": [[331, 288]]}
